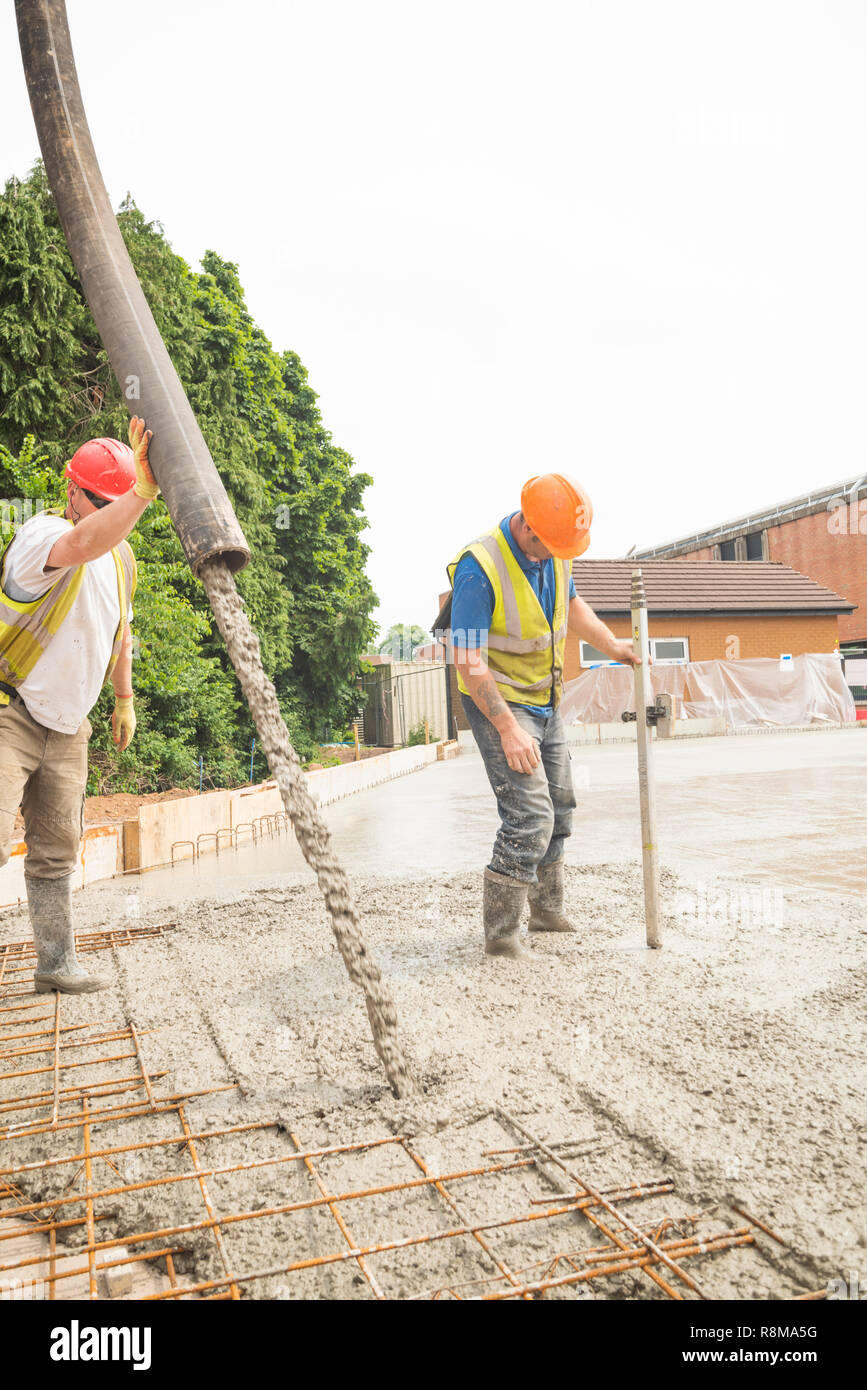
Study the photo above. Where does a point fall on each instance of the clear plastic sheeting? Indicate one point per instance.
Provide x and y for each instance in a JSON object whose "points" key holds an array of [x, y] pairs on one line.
{"points": [[809, 689]]}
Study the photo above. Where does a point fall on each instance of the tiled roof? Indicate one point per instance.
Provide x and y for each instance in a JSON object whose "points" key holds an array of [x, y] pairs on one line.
{"points": [[705, 586]]}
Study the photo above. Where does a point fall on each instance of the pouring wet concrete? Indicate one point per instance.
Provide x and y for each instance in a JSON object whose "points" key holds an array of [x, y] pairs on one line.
{"points": [[732, 1060]]}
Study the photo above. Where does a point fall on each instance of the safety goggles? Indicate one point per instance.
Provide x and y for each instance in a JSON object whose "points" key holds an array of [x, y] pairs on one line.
{"points": [[97, 501]]}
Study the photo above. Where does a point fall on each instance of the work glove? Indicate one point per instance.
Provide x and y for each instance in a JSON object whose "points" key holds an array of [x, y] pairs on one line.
{"points": [[123, 721], [145, 485]]}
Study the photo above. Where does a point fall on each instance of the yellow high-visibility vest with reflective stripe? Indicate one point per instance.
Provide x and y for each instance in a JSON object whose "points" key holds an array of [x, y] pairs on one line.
{"points": [[26, 629], [525, 652]]}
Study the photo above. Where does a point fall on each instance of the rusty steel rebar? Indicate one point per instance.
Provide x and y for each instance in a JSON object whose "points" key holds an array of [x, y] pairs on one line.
{"points": [[44, 1033], [115, 1150], [375, 1286], [761, 1226], [146, 1081], [622, 1265], [578, 1204], [112, 1036], [150, 1256], [37, 1100], [688, 1246], [567, 1204], [70, 1066], [88, 1180], [206, 1198], [98, 939], [167, 1238], [17, 958], [626, 1192], [379, 1248], [609, 1207], [255, 1164], [447, 1197], [69, 1223], [56, 1062]]}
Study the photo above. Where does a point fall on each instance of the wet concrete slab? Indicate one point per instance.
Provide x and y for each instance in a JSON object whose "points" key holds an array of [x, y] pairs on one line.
{"points": [[784, 808], [731, 1059]]}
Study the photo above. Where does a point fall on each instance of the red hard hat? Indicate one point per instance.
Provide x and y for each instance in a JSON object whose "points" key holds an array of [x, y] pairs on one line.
{"points": [[560, 512], [103, 466]]}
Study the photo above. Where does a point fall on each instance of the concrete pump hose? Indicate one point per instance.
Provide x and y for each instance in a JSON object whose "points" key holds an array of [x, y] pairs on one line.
{"points": [[194, 494], [191, 486]]}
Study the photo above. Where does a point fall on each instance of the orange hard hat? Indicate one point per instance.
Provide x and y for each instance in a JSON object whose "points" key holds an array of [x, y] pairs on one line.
{"points": [[559, 511], [103, 466]]}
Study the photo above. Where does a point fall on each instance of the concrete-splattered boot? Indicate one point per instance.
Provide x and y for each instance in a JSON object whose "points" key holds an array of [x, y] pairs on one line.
{"points": [[546, 900], [504, 900], [57, 965]]}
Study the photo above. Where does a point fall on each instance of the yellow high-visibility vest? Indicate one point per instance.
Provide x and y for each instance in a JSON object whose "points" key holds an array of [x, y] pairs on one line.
{"points": [[26, 629], [524, 651]]}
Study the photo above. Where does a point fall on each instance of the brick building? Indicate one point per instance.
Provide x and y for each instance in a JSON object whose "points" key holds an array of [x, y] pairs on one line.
{"points": [[822, 534], [716, 611]]}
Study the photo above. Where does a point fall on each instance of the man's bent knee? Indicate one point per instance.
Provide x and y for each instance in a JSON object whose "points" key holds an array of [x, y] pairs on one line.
{"points": [[53, 845], [7, 835], [522, 842]]}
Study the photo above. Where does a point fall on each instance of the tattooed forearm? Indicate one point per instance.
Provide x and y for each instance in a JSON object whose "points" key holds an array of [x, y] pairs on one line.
{"points": [[489, 699], [483, 689]]}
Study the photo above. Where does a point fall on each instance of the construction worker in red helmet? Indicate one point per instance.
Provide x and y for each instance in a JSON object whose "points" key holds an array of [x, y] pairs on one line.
{"points": [[513, 600], [67, 580]]}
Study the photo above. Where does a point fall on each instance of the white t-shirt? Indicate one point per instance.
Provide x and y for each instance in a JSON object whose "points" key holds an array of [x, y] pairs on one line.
{"points": [[64, 685]]}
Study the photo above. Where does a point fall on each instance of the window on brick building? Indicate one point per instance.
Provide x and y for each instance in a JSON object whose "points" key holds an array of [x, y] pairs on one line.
{"points": [[754, 546], [727, 550], [592, 656], [854, 656], [664, 651], [669, 651]]}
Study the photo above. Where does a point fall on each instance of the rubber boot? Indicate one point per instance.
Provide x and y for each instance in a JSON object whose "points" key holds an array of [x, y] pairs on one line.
{"points": [[504, 900], [546, 900], [57, 965]]}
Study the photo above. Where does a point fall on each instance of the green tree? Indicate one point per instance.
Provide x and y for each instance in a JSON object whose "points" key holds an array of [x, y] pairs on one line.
{"points": [[403, 640], [297, 494]]}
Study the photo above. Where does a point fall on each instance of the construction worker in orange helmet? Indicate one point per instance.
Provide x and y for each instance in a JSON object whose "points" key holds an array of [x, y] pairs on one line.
{"points": [[67, 580], [513, 601]]}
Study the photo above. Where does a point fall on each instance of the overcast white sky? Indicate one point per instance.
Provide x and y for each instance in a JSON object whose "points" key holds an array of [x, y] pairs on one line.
{"points": [[626, 238]]}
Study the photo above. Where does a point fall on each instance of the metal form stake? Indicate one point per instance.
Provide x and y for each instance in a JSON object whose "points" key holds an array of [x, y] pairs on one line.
{"points": [[646, 786]]}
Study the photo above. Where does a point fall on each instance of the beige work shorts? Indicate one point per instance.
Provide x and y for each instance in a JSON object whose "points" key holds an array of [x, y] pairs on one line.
{"points": [[45, 773]]}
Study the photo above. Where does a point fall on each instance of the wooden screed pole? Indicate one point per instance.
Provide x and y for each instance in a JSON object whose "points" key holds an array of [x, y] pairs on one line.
{"points": [[646, 786]]}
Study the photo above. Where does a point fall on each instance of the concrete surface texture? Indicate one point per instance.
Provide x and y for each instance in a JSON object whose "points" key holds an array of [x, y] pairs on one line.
{"points": [[180, 826], [731, 1060], [785, 809]]}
